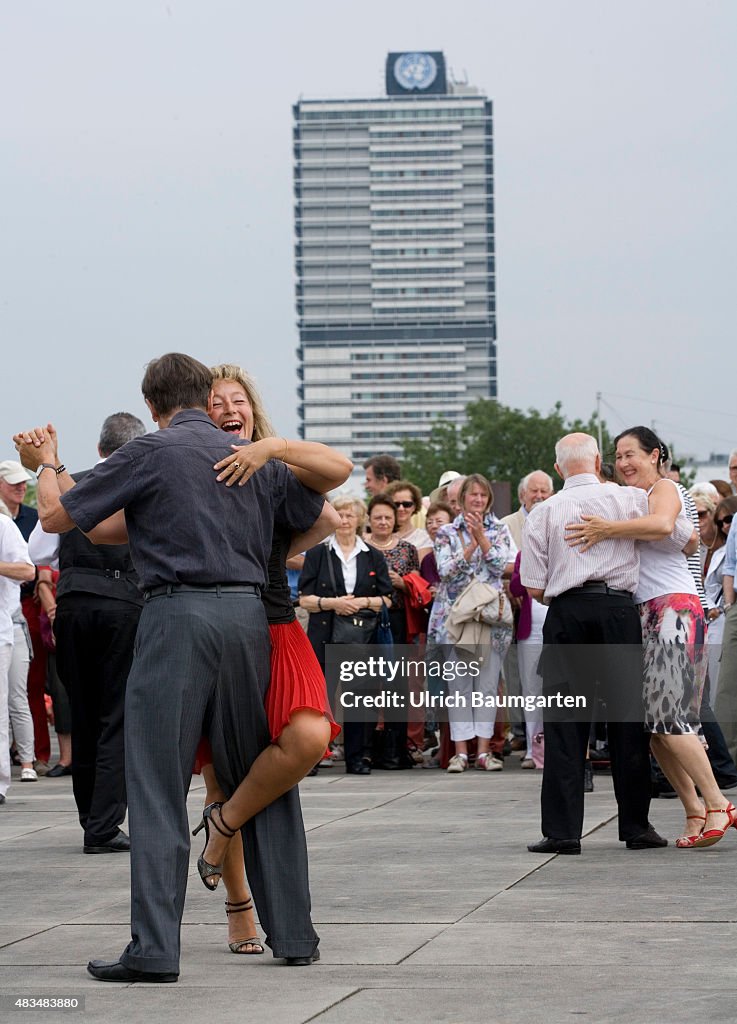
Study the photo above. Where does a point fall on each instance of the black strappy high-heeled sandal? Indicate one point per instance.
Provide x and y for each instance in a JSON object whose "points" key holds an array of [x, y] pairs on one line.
{"points": [[237, 945], [206, 869]]}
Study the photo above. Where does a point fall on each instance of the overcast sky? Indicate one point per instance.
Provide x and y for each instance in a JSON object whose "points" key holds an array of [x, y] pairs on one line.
{"points": [[147, 196]]}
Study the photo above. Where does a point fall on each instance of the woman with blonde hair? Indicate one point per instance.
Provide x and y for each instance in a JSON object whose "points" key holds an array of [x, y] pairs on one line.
{"points": [[296, 701]]}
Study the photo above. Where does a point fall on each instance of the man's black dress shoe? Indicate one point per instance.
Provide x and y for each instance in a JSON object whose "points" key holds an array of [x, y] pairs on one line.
{"points": [[58, 770], [118, 844], [302, 961], [357, 768], [104, 970], [562, 846], [649, 840]]}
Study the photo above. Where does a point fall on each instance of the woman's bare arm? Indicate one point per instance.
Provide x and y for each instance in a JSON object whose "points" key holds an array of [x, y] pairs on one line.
{"points": [[664, 504], [316, 465]]}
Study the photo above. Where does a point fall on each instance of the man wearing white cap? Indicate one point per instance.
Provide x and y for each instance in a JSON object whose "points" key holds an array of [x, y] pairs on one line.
{"points": [[441, 491], [13, 482]]}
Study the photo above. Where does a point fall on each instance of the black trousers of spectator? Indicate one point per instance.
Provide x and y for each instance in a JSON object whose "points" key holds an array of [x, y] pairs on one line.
{"points": [[592, 645], [94, 651], [717, 750]]}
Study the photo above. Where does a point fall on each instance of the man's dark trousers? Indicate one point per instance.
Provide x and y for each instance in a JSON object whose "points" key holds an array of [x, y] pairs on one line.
{"points": [[593, 643], [94, 649], [202, 658]]}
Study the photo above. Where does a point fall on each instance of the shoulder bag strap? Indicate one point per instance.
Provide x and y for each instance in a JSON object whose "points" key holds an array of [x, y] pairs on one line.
{"points": [[331, 570]]}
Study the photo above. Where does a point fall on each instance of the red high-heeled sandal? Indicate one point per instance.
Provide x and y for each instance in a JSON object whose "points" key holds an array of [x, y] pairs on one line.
{"points": [[686, 842], [713, 835]]}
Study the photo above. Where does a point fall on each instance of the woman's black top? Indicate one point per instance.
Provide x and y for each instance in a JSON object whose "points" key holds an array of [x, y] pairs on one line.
{"points": [[277, 598]]}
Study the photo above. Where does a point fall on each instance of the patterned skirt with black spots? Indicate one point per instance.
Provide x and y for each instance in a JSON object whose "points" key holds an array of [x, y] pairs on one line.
{"points": [[675, 663]]}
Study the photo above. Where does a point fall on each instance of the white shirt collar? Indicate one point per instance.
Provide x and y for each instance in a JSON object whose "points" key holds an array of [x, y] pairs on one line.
{"points": [[359, 546], [580, 479]]}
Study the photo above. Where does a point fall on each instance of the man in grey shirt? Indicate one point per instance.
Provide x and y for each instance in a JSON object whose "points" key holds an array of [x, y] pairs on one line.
{"points": [[201, 660]]}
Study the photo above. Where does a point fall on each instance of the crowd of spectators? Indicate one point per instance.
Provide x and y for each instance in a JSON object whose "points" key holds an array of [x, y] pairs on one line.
{"points": [[414, 556]]}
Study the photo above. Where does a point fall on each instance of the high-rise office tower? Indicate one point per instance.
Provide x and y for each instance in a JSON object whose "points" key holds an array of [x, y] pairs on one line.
{"points": [[394, 258]]}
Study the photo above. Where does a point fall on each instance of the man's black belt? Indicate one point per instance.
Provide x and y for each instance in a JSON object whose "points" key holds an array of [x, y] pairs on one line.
{"points": [[108, 574], [168, 589], [598, 587]]}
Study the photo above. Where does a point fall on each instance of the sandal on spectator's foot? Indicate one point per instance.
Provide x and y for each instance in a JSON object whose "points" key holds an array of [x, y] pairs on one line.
{"points": [[207, 870], [686, 842], [236, 946]]}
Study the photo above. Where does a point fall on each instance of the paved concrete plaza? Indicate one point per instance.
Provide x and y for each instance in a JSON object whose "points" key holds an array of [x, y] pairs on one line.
{"points": [[428, 904]]}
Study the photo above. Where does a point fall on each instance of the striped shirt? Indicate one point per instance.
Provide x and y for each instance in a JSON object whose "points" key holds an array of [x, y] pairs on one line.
{"points": [[550, 564], [694, 561]]}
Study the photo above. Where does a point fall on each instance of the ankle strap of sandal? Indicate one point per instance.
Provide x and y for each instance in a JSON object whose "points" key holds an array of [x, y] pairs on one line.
{"points": [[238, 908], [226, 830]]}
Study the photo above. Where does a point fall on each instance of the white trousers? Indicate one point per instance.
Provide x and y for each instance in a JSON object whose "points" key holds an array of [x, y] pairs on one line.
{"points": [[531, 684], [6, 653], [468, 722], [21, 722]]}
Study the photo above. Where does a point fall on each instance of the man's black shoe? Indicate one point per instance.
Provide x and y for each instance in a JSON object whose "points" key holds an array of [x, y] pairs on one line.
{"points": [[103, 970], [358, 768], [302, 961], [118, 844], [562, 846], [58, 770], [649, 840]]}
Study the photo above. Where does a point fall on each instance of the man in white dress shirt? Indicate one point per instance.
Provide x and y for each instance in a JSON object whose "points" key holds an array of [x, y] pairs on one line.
{"points": [[589, 594]]}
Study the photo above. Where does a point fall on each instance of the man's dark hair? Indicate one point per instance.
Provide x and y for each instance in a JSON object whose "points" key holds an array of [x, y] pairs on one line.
{"points": [[117, 430], [176, 381], [675, 468], [385, 467]]}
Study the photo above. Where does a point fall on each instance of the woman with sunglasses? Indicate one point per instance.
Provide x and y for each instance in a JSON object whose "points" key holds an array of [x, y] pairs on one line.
{"points": [[407, 498], [714, 586]]}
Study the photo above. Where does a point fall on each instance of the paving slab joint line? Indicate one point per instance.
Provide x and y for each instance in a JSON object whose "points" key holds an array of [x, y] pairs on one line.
{"points": [[33, 831], [527, 874], [33, 935], [365, 810], [552, 856], [423, 944], [332, 1006]]}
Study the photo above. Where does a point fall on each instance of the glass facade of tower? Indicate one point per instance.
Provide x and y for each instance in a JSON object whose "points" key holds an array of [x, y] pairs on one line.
{"points": [[395, 265]]}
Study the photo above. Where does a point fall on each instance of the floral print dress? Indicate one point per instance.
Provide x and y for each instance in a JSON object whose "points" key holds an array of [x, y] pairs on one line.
{"points": [[456, 573]]}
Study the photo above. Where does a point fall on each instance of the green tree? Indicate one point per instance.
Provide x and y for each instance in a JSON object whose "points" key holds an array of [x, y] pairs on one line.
{"points": [[424, 461], [501, 442]]}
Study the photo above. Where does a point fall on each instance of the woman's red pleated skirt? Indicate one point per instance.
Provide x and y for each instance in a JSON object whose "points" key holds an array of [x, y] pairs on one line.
{"points": [[297, 684]]}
